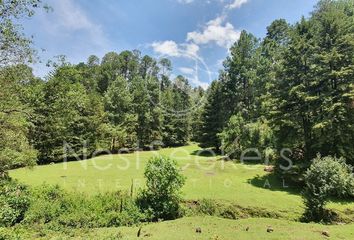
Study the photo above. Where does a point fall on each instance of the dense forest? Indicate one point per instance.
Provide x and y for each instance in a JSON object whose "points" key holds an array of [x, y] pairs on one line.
{"points": [[124, 101]]}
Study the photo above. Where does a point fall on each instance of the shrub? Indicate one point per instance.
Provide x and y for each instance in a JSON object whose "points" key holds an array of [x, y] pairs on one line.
{"points": [[208, 207], [61, 209], [326, 177], [14, 202], [161, 199], [8, 234], [239, 136]]}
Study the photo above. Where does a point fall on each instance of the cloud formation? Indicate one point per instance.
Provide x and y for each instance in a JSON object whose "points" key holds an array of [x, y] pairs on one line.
{"points": [[172, 49], [185, 1], [216, 30], [236, 4]]}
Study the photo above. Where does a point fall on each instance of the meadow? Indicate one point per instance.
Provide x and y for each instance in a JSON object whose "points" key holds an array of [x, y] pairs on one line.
{"points": [[208, 177]]}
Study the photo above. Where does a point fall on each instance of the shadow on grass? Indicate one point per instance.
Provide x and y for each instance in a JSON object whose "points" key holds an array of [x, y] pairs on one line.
{"points": [[345, 202], [274, 183], [205, 153]]}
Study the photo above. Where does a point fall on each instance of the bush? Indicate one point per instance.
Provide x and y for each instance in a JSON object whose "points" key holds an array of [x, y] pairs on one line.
{"points": [[239, 136], [161, 199], [326, 177], [14, 202], [208, 207], [60, 209]]}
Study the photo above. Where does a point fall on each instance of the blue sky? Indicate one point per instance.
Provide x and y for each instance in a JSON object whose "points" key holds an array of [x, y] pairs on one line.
{"points": [[194, 34]]}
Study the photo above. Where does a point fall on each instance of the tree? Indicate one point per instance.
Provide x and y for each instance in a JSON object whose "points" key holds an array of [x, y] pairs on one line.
{"points": [[161, 198], [333, 119], [15, 150], [239, 136], [197, 99], [118, 105], [238, 84], [15, 47], [72, 116], [212, 117], [149, 116], [109, 71], [312, 101], [293, 109], [177, 104]]}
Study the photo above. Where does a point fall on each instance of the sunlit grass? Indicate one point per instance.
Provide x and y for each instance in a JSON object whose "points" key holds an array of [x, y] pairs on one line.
{"points": [[207, 177]]}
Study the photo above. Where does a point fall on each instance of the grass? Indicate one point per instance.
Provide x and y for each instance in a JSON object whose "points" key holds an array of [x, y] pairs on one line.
{"points": [[208, 177], [212, 228]]}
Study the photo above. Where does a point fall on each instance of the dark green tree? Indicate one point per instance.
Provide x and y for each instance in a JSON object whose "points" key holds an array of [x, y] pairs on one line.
{"points": [[212, 117]]}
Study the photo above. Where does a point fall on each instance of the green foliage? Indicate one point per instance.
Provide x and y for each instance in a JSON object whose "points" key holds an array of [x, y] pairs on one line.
{"points": [[238, 84], [70, 115], [177, 104], [311, 106], [161, 198], [239, 136], [326, 177], [292, 90], [15, 47], [58, 208], [15, 150], [14, 201], [208, 207], [212, 117]]}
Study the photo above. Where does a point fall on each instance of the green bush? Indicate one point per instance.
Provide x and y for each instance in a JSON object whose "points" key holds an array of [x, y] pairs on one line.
{"points": [[238, 136], [60, 209], [161, 199], [208, 207], [326, 177], [14, 202], [8, 234]]}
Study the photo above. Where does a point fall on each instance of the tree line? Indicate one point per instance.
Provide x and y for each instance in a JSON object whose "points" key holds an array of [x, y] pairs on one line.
{"points": [[292, 90], [124, 101]]}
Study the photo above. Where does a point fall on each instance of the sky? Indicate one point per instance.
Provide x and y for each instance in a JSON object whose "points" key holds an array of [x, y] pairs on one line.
{"points": [[194, 34]]}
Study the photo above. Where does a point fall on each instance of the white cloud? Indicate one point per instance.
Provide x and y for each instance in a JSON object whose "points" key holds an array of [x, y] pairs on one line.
{"points": [[169, 48], [172, 49], [236, 4], [223, 34], [191, 49], [185, 1]]}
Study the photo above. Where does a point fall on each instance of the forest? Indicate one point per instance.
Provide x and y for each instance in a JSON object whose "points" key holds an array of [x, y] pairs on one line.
{"points": [[285, 100]]}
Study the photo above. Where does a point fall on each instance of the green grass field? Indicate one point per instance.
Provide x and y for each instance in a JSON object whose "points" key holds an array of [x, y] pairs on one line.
{"points": [[208, 177], [212, 228]]}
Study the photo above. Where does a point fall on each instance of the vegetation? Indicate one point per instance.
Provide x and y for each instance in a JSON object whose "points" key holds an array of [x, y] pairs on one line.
{"points": [[298, 79], [282, 100], [207, 177], [325, 178], [161, 199], [14, 202], [15, 49]]}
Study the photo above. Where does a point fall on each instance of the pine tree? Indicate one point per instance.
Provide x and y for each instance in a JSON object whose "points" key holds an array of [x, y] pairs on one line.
{"points": [[212, 117]]}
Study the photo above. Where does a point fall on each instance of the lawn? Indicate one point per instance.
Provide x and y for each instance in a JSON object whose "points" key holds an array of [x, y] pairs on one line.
{"points": [[212, 228], [208, 177]]}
